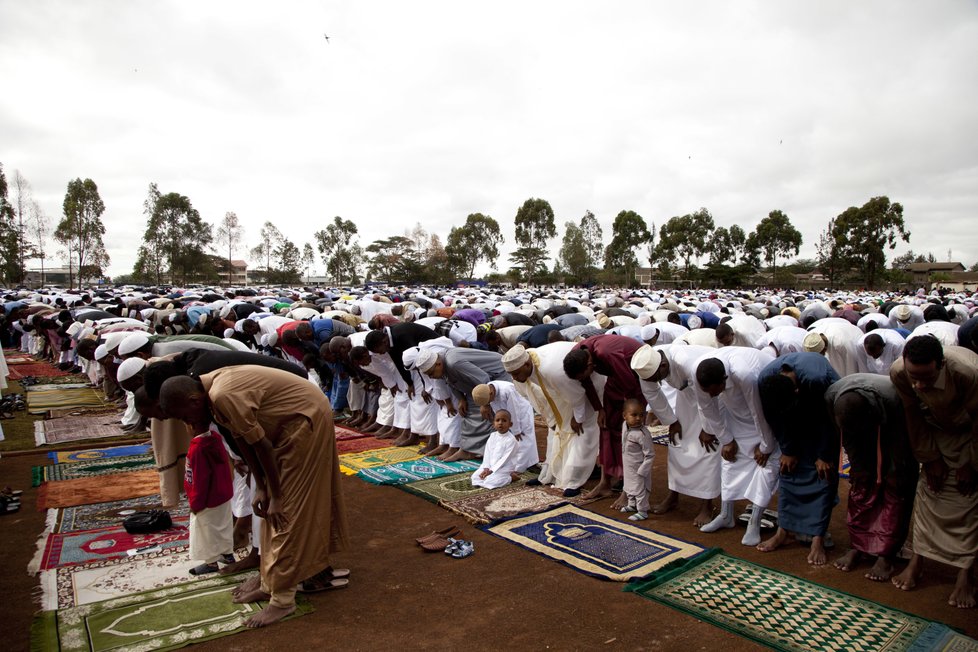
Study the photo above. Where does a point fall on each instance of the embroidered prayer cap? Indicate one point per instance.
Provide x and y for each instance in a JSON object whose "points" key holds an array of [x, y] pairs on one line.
{"points": [[482, 394], [648, 332], [646, 361], [605, 322], [903, 312], [133, 343], [426, 359], [129, 368], [515, 358], [814, 342]]}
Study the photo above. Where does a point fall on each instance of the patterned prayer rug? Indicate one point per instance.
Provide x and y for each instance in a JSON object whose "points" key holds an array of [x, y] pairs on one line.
{"points": [[780, 610], [72, 586], [40, 401], [91, 468], [54, 387], [58, 413], [37, 370], [353, 462], [593, 544], [99, 489], [68, 457], [162, 619], [450, 487], [491, 505], [420, 469], [76, 428], [102, 515], [343, 433], [19, 358], [360, 444], [82, 547]]}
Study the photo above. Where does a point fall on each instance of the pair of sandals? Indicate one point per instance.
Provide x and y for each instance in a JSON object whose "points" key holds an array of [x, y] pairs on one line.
{"points": [[437, 541], [213, 567], [10, 500], [459, 548], [328, 579], [11, 403]]}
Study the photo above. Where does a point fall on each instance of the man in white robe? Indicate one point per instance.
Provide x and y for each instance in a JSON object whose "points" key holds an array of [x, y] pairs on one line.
{"points": [[732, 418], [877, 350]]}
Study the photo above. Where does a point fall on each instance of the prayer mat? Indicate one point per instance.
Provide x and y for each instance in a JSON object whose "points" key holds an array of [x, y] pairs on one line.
{"points": [[342, 434], [162, 619], [353, 462], [593, 544], [58, 413], [344, 446], [84, 546], [40, 401], [449, 488], [102, 515], [490, 505], [68, 457], [780, 610], [90, 468], [54, 387], [77, 428], [420, 469], [19, 358], [99, 489], [37, 370]]}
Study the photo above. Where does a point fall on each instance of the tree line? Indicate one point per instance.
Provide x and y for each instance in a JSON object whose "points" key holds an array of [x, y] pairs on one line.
{"points": [[179, 247]]}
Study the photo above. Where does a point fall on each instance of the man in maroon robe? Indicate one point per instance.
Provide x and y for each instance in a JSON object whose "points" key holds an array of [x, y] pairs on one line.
{"points": [[610, 356]]}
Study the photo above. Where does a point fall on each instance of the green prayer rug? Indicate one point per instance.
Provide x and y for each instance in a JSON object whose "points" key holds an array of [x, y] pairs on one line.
{"points": [[353, 462], [786, 612], [90, 468], [449, 488], [419, 469], [162, 619]]}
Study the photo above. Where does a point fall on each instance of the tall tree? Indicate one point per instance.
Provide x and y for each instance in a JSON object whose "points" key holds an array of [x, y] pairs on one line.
{"points": [[37, 230], [80, 229], [685, 237], [534, 227], [593, 239], [476, 240], [339, 249], [308, 259], [176, 238], [720, 247], [269, 239], [865, 232], [574, 257], [8, 233], [628, 232], [288, 263], [22, 202], [387, 258], [776, 237], [230, 233], [737, 241], [829, 254]]}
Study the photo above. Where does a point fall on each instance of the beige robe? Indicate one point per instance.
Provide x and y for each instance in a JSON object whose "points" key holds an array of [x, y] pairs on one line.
{"points": [[259, 402], [171, 439]]}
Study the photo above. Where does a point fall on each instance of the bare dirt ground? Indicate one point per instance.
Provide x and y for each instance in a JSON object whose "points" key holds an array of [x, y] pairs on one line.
{"points": [[402, 598]]}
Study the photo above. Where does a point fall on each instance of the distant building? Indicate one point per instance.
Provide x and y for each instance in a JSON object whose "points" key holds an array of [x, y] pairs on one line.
{"points": [[920, 273], [239, 273], [55, 276]]}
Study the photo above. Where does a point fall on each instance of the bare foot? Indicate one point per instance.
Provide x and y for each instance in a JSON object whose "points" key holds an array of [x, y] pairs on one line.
{"points": [[705, 515], [963, 595], [439, 451], [444, 457], [621, 502], [250, 596], [907, 579], [269, 615], [429, 446], [816, 554], [602, 490], [461, 455], [881, 571], [252, 560], [774, 542], [846, 562], [670, 503], [249, 585], [409, 440]]}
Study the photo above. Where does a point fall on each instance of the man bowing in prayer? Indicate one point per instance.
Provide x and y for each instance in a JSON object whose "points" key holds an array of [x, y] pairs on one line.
{"points": [[285, 428]]}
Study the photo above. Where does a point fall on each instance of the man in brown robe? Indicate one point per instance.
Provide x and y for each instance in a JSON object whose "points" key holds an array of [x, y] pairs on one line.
{"points": [[939, 390], [285, 427]]}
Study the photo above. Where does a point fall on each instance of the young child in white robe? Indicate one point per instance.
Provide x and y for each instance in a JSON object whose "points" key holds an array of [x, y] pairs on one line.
{"points": [[637, 454], [498, 467]]}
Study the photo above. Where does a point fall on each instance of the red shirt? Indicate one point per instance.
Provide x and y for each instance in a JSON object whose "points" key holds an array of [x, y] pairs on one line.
{"points": [[207, 479]]}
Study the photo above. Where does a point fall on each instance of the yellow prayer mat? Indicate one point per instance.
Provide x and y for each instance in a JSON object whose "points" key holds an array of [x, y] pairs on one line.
{"points": [[350, 463]]}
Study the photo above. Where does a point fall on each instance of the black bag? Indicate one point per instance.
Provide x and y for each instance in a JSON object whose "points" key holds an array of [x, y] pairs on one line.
{"points": [[146, 522]]}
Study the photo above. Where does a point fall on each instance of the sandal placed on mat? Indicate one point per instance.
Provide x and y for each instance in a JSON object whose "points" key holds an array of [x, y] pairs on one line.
{"points": [[436, 544], [451, 531], [463, 549], [311, 586], [204, 569]]}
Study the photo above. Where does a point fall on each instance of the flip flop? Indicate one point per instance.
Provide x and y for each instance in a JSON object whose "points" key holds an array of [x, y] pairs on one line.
{"points": [[307, 586], [204, 569], [766, 523]]}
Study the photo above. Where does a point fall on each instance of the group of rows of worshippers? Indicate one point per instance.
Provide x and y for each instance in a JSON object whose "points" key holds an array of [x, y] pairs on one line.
{"points": [[761, 393]]}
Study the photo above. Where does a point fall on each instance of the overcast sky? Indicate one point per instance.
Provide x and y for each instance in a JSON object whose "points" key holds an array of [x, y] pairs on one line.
{"points": [[428, 111]]}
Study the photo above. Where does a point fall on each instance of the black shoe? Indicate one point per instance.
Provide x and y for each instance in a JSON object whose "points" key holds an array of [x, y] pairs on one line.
{"points": [[571, 493], [533, 483]]}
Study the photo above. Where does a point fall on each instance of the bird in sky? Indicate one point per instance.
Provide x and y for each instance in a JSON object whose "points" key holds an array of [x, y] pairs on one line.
{"points": [[326, 37]]}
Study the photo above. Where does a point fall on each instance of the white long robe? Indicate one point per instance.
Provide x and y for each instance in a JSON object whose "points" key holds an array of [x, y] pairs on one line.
{"points": [[521, 412], [570, 457], [693, 471], [500, 458], [736, 415], [892, 350], [842, 336]]}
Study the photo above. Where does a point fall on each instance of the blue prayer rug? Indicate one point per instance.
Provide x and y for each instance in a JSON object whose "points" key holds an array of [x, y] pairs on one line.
{"points": [[593, 544]]}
